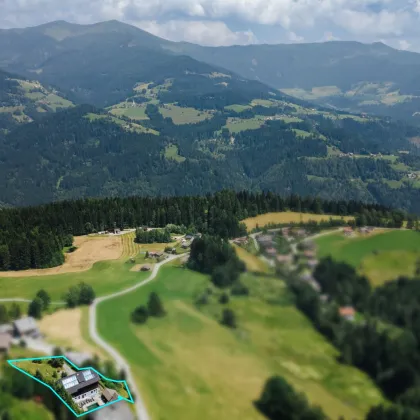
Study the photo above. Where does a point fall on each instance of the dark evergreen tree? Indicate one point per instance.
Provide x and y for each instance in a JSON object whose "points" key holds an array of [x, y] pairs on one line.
{"points": [[155, 306], [45, 297], [35, 308], [140, 315]]}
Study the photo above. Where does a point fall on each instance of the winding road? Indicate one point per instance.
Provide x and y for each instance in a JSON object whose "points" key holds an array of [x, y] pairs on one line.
{"points": [[121, 363]]}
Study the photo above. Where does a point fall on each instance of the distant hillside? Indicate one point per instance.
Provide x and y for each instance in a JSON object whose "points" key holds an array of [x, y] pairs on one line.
{"points": [[100, 63], [348, 75], [22, 100]]}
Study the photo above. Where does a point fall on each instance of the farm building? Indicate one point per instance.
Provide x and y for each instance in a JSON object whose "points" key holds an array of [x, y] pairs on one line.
{"points": [[309, 254], [5, 341], [155, 254], [241, 241], [348, 231], [266, 240], [347, 312], [6, 328], [26, 327], [146, 267], [82, 385]]}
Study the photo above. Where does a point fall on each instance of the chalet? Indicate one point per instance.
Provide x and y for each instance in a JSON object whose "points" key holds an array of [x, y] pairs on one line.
{"points": [[146, 267], [6, 328], [5, 341], [366, 230], [186, 245], [348, 231], [155, 254], [114, 231], [301, 233], [188, 237], [284, 259], [347, 312], [82, 385], [241, 241], [266, 240], [26, 327]]}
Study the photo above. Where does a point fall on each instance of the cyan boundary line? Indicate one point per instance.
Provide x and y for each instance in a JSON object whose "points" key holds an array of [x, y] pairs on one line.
{"points": [[130, 400]]}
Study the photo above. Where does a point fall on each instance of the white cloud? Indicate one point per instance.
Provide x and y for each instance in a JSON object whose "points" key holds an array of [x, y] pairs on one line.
{"points": [[329, 36], [194, 20], [404, 44], [295, 38], [210, 33]]}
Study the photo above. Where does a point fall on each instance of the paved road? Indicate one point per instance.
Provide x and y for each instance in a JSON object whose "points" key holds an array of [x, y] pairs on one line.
{"points": [[120, 362]]}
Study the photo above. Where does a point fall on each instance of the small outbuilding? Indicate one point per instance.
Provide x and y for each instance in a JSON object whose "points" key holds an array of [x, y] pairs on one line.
{"points": [[26, 327], [146, 267], [109, 395], [348, 313], [5, 342]]}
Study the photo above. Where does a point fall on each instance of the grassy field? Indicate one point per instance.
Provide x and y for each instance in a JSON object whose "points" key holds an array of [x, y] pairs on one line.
{"points": [[172, 153], [252, 262], [180, 115], [237, 108], [381, 257], [235, 125], [187, 359], [301, 133], [135, 113], [286, 217], [127, 126], [105, 277]]}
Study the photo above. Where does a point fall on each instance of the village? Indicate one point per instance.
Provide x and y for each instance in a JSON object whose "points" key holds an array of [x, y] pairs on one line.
{"points": [[290, 250]]}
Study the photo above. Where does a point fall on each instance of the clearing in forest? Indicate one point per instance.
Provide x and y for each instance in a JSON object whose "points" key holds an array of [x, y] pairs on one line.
{"points": [[90, 249], [181, 115], [381, 257], [287, 217], [188, 359]]}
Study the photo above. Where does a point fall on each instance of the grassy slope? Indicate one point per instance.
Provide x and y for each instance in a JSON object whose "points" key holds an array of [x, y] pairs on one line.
{"points": [[381, 257], [286, 217], [105, 277], [188, 360], [184, 115]]}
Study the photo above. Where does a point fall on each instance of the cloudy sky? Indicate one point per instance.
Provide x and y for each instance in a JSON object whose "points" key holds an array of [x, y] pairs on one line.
{"points": [[227, 22]]}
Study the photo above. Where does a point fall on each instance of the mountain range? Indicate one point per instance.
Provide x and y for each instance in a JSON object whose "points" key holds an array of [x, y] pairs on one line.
{"points": [[142, 115]]}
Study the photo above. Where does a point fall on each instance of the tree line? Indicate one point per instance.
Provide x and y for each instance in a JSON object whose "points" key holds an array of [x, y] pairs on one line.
{"points": [[384, 343], [34, 237]]}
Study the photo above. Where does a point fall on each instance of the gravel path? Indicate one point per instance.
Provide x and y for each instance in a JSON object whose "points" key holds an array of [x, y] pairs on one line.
{"points": [[120, 362]]}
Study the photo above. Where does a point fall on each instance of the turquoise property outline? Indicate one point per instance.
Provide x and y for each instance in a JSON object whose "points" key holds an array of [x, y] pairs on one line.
{"points": [[130, 400]]}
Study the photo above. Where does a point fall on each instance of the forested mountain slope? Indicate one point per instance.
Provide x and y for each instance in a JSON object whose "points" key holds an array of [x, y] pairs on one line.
{"points": [[22, 100], [347, 75]]}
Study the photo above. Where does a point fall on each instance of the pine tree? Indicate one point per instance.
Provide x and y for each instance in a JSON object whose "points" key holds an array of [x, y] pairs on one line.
{"points": [[45, 297], [154, 305], [35, 308]]}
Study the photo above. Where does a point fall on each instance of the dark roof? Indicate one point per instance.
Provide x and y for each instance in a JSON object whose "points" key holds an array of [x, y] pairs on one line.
{"points": [[81, 381]]}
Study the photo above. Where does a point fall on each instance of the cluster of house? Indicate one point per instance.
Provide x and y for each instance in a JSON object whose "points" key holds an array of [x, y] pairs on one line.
{"points": [[350, 232], [18, 330]]}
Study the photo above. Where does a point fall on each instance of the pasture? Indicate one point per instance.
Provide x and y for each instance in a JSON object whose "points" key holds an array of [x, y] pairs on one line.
{"points": [[126, 110], [252, 262], [236, 125], [187, 359], [381, 257], [286, 217], [181, 115], [172, 153]]}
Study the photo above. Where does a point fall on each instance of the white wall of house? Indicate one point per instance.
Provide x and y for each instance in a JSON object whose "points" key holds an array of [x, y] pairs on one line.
{"points": [[86, 395]]}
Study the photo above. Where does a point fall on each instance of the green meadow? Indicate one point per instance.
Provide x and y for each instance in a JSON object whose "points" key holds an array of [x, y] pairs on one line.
{"points": [[184, 115], [105, 277], [381, 257], [187, 359]]}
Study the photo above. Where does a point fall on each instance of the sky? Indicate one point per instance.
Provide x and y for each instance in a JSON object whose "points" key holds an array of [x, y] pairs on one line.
{"points": [[228, 22]]}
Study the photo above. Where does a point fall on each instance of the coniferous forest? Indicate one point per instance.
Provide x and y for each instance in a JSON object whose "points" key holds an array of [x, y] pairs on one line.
{"points": [[33, 237]]}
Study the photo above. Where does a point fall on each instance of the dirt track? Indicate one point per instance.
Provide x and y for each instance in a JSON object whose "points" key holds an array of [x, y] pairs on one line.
{"points": [[90, 250]]}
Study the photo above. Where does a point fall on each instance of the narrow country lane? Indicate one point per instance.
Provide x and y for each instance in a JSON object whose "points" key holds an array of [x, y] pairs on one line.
{"points": [[139, 405]]}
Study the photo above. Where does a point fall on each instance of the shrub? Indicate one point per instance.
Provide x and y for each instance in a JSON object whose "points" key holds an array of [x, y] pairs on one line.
{"points": [[228, 318], [224, 299], [140, 315], [239, 289]]}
